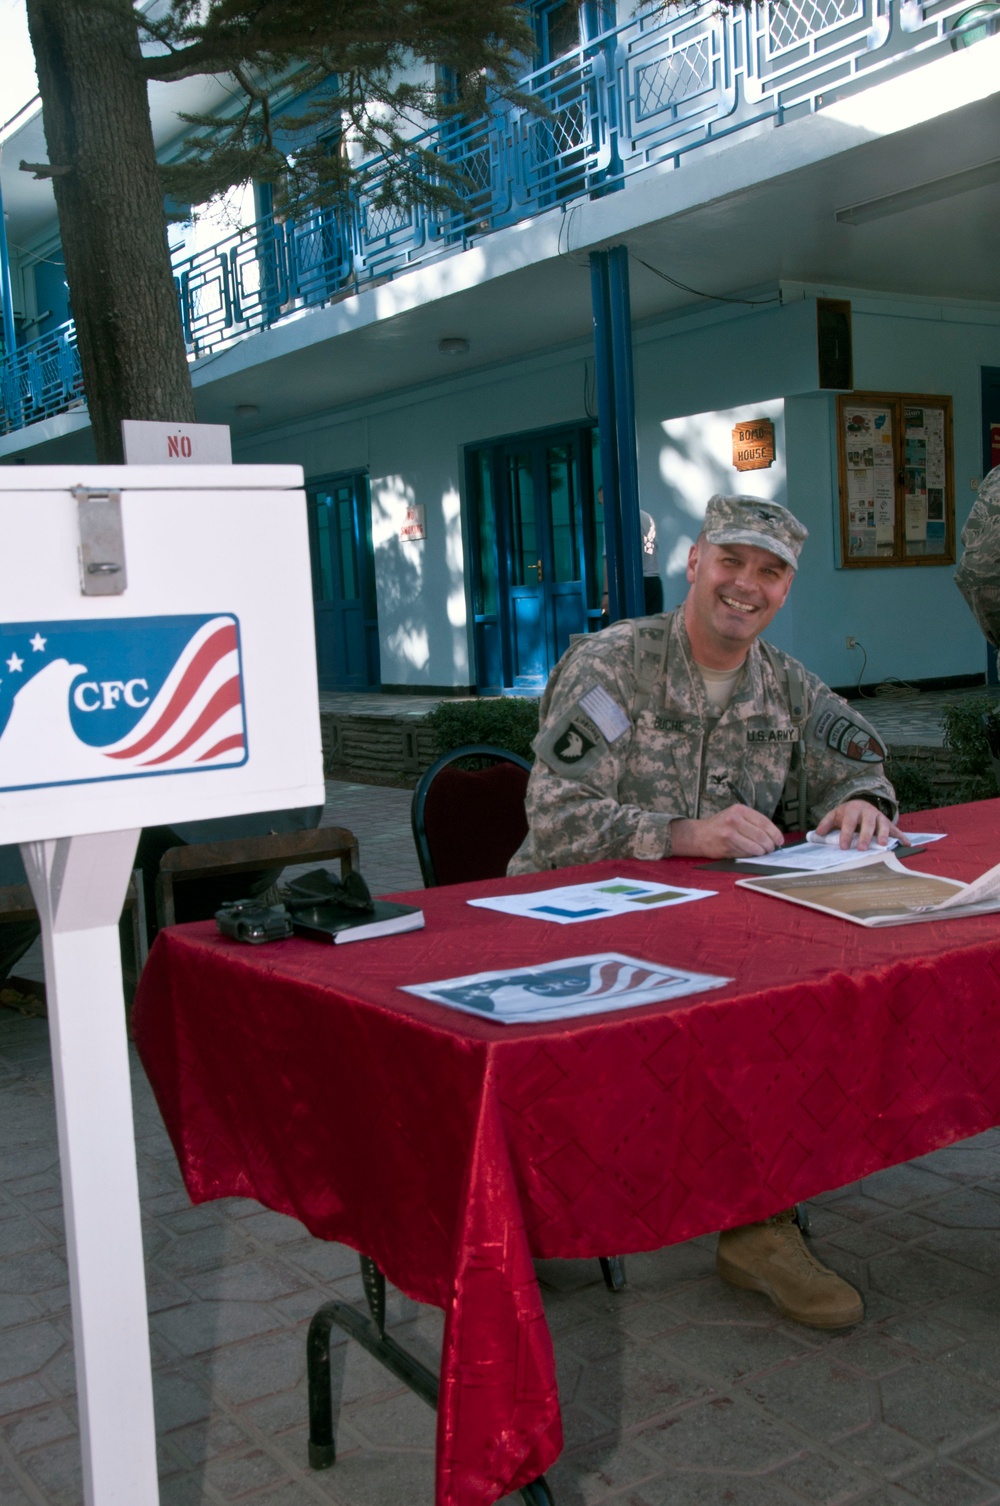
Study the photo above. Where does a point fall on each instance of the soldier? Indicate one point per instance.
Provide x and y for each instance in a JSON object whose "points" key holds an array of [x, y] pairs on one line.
{"points": [[978, 574], [682, 735]]}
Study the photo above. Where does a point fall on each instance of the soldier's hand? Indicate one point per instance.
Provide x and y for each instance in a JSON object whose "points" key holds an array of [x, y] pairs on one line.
{"points": [[738, 832], [859, 816]]}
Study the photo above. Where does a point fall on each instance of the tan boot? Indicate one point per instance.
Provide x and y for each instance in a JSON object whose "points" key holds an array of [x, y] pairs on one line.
{"points": [[773, 1258]]}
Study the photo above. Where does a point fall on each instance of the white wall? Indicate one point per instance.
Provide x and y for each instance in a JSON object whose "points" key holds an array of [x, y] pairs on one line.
{"points": [[718, 364]]}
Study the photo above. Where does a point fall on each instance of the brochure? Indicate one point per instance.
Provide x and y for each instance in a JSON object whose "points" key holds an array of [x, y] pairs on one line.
{"points": [[564, 989], [880, 892], [820, 854], [601, 901]]}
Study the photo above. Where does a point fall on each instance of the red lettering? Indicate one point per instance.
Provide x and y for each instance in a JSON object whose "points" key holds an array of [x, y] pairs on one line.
{"points": [[172, 446], [186, 446]]}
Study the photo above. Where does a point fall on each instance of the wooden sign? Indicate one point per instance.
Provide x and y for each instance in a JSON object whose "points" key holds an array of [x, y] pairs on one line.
{"points": [[753, 445]]}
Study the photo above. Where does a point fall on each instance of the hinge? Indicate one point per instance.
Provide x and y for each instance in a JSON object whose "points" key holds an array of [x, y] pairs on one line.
{"points": [[102, 543]]}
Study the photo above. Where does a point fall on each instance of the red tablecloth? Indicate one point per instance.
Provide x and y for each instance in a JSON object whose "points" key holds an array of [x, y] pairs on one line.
{"points": [[452, 1149]]}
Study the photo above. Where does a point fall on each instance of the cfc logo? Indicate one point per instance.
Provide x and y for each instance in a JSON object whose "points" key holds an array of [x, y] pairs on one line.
{"points": [[104, 695]]}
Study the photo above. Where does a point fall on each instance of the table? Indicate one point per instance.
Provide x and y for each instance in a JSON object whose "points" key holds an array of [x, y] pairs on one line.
{"points": [[451, 1149]]}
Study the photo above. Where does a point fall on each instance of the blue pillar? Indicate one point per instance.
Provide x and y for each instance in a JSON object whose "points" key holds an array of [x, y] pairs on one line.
{"points": [[9, 335], [616, 420]]}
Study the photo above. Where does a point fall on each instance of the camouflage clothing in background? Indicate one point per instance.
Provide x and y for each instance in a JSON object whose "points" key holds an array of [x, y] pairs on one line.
{"points": [[978, 573], [629, 742]]}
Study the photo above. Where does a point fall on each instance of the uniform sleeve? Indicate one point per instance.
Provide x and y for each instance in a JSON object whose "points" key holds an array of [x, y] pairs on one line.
{"points": [[844, 756], [978, 573], [574, 813]]}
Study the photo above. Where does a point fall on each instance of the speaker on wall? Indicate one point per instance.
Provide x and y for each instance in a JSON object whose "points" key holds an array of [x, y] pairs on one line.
{"points": [[833, 343]]}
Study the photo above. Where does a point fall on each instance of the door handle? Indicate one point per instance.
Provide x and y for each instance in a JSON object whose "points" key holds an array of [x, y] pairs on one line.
{"points": [[539, 571]]}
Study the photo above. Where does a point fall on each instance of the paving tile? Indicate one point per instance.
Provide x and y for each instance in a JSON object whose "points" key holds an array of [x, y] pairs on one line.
{"points": [[219, 1434], [934, 1406], [977, 1248], [916, 1275], [637, 1383], [819, 1395], [722, 1434], [236, 1476], [726, 1354], [901, 1186], [36, 1344], [707, 1490], [982, 1455], [821, 1481], [402, 1422], [588, 1476], [57, 1472], [243, 1372], [373, 1479], [943, 1483], [879, 1448], [178, 1400]]}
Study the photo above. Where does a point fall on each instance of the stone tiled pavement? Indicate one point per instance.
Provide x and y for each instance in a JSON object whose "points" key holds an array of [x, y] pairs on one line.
{"points": [[678, 1392]]}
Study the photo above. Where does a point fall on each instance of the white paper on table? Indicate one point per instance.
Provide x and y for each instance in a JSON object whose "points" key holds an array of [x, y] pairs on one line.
{"points": [[814, 857], [598, 901], [818, 854], [561, 990]]}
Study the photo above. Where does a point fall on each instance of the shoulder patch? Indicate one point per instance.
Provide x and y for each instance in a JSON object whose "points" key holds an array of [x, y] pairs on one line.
{"points": [[852, 739], [571, 744], [606, 712]]}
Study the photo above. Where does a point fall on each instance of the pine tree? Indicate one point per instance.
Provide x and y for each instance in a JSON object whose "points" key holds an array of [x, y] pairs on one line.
{"points": [[343, 69]]}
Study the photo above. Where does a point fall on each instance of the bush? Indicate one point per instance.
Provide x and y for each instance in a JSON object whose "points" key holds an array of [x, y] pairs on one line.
{"points": [[509, 722], [914, 790], [965, 735]]}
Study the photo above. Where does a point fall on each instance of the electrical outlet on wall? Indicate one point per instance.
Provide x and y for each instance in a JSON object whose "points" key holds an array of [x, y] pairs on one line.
{"points": [[851, 641]]}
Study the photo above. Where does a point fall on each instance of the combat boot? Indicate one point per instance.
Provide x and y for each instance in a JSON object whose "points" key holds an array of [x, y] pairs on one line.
{"points": [[773, 1258]]}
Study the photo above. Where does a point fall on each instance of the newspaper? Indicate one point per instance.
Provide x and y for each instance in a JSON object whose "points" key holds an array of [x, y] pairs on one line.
{"points": [[879, 891]]}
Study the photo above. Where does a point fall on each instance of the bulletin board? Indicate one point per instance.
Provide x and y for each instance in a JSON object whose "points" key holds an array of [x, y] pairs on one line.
{"points": [[896, 478]]}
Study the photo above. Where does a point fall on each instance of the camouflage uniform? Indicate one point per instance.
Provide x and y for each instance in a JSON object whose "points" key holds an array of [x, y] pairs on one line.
{"points": [[978, 573], [629, 742]]}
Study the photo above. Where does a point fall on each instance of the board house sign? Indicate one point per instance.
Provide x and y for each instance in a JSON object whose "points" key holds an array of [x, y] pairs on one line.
{"points": [[753, 444]]}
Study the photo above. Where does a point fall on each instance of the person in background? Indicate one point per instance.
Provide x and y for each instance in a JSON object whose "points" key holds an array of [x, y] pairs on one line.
{"points": [[978, 573], [652, 585]]}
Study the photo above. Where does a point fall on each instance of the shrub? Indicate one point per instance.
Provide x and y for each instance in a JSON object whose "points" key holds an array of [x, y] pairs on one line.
{"points": [[506, 721], [965, 735], [914, 790]]}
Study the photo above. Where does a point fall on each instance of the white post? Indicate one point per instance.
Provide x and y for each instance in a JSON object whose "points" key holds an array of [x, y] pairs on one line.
{"points": [[79, 886]]}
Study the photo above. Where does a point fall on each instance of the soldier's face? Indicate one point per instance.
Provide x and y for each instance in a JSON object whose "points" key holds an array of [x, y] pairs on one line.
{"points": [[736, 589]]}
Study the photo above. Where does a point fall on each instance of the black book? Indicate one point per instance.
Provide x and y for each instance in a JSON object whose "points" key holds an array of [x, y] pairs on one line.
{"points": [[336, 924]]}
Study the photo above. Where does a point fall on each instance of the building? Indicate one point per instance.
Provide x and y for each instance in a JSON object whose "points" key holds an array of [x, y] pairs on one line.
{"points": [[807, 194]]}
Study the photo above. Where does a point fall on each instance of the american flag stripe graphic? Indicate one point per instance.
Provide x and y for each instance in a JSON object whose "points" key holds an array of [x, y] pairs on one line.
{"points": [[616, 977], [193, 678], [225, 699]]}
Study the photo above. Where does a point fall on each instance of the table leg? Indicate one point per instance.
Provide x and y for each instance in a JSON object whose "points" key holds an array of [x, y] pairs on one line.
{"points": [[613, 1271], [371, 1335]]}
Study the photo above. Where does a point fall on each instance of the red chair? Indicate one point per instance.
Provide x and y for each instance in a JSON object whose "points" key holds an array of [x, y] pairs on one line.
{"points": [[468, 823]]}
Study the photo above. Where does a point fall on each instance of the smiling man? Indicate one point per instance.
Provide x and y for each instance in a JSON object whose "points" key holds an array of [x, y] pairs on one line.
{"points": [[685, 735]]}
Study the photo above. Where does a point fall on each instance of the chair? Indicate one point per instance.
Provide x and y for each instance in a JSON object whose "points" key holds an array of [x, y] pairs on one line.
{"points": [[20, 926], [468, 824], [242, 855]]}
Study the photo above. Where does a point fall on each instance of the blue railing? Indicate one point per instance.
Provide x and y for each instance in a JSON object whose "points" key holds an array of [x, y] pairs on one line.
{"points": [[649, 91]]}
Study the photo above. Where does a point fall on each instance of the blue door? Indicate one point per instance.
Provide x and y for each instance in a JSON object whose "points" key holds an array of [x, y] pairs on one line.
{"points": [[535, 566], [343, 582]]}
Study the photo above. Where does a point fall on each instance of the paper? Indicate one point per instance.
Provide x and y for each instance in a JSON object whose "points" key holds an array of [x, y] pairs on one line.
{"points": [[813, 857], [879, 891], [821, 854], [602, 901], [561, 990]]}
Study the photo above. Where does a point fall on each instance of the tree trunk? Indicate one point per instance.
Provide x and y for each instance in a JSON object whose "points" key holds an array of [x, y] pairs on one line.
{"points": [[111, 217]]}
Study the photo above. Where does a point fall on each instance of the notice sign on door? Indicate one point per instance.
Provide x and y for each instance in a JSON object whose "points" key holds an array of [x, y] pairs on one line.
{"points": [[412, 526], [753, 445]]}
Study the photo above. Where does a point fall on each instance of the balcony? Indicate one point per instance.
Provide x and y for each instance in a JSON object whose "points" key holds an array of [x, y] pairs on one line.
{"points": [[654, 91]]}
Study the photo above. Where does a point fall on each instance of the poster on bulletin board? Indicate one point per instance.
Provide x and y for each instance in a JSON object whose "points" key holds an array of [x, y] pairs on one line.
{"points": [[897, 504]]}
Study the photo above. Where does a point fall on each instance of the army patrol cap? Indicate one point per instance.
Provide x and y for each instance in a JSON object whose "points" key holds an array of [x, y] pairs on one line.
{"points": [[751, 520]]}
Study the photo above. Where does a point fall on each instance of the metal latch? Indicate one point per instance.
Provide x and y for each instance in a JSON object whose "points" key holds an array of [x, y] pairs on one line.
{"points": [[102, 543]]}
